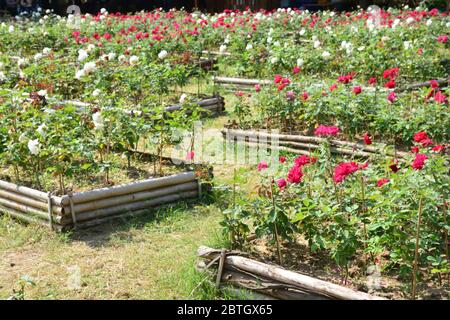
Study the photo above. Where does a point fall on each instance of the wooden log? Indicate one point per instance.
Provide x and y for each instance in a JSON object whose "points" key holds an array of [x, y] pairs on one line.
{"points": [[243, 294], [25, 209], [267, 287], [129, 207], [216, 53], [241, 81], [130, 198], [278, 274], [280, 148], [161, 202], [28, 201], [300, 138], [23, 217], [423, 84], [134, 187], [35, 194]]}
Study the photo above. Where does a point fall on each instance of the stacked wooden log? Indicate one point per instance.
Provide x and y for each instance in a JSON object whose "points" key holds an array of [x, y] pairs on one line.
{"points": [[272, 281], [239, 83], [299, 144], [441, 82], [243, 84], [215, 53], [249, 84], [85, 209], [214, 104]]}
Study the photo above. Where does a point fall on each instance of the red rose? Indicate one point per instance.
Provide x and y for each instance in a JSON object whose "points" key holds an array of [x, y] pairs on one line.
{"points": [[392, 97], [262, 165], [394, 167], [372, 80], [277, 78], [382, 182], [190, 155], [305, 96], [333, 87], [434, 84], [438, 148], [281, 183], [419, 136], [357, 90], [440, 97], [390, 84], [296, 70], [367, 139], [442, 38], [326, 131], [295, 175], [343, 170], [303, 160], [419, 161], [282, 159]]}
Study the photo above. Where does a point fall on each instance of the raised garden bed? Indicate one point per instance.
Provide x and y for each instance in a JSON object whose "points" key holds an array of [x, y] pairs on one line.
{"points": [[89, 208]]}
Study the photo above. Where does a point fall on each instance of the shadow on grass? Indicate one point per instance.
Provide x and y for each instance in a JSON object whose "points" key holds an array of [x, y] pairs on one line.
{"points": [[164, 218]]}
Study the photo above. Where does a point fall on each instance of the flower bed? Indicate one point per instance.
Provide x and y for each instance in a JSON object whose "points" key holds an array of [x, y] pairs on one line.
{"points": [[85, 209]]}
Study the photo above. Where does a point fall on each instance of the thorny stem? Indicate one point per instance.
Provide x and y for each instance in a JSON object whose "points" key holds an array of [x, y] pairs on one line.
{"points": [[416, 252], [364, 210], [277, 238], [445, 206]]}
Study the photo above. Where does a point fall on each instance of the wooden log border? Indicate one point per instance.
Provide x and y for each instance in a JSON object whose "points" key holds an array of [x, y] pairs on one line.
{"points": [[84, 209], [299, 144], [277, 282], [232, 83]]}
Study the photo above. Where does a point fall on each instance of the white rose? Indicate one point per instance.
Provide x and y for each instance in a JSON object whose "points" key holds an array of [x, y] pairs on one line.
{"points": [[429, 22], [89, 67], [316, 44], [41, 129], [122, 58], [134, 60], [223, 48], [162, 55], [111, 56], [326, 54], [98, 120], [2, 76], [79, 74], [38, 56], [82, 55], [22, 137], [410, 20], [300, 62], [42, 93], [249, 47], [183, 98], [46, 51], [34, 146], [11, 29]]}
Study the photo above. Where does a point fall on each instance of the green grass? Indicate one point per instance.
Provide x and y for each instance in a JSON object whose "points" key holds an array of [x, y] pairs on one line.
{"points": [[150, 257]]}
